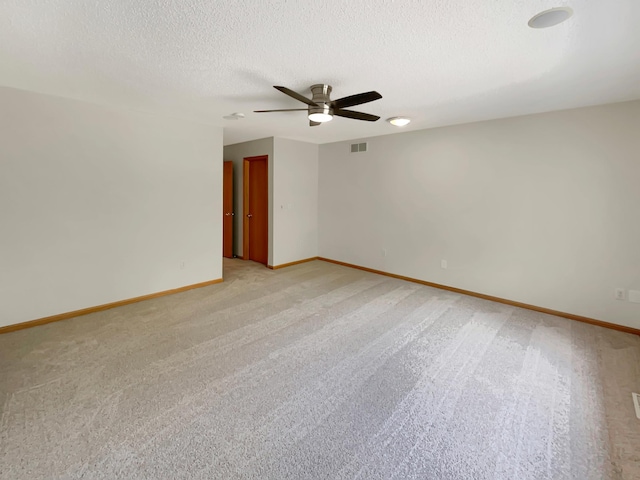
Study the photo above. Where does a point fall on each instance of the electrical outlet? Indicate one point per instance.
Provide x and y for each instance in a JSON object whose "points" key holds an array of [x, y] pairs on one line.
{"points": [[443, 263], [182, 265], [620, 294], [384, 252]]}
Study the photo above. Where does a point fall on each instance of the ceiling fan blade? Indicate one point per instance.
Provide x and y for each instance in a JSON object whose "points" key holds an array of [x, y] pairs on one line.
{"points": [[356, 115], [314, 124], [296, 95], [283, 110], [357, 99]]}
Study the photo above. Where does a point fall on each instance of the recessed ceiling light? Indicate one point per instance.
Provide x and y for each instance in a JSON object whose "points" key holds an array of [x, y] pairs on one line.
{"points": [[234, 116], [551, 17], [399, 121]]}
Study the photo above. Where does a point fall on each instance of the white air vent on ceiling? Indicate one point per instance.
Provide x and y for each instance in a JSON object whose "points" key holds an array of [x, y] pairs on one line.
{"points": [[358, 147]]}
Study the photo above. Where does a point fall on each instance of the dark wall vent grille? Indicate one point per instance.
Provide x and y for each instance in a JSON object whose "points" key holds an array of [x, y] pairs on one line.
{"points": [[358, 147]]}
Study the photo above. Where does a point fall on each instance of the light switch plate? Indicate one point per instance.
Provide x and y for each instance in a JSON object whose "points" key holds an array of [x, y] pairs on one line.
{"points": [[636, 403], [634, 296]]}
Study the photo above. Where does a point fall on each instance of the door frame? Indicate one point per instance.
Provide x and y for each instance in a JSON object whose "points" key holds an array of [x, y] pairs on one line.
{"points": [[246, 172], [228, 215]]}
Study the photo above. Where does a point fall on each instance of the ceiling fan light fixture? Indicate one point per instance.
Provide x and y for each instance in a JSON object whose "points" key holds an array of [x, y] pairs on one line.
{"points": [[320, 117], [399, 121], [322, 109]]}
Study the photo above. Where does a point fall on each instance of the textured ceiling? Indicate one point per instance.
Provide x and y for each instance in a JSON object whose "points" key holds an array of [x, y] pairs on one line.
{"points": [[440, 62]]}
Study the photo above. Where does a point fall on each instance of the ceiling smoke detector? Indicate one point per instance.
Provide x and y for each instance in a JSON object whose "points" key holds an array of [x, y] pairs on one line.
{"points": [[550, 18], [234, 116]]}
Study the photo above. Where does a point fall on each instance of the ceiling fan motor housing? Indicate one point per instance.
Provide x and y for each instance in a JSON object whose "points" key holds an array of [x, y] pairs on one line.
{"points": [[321, 94]]}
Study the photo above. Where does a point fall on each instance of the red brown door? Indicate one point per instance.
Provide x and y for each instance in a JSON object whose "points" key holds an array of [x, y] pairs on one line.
{"points": [[227, 210], [256, 211]]}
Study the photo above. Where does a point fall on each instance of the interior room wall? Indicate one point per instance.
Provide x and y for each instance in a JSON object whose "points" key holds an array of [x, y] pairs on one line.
{"points": [[99, 205], [237, 153], [295, 201], [540, 209]]}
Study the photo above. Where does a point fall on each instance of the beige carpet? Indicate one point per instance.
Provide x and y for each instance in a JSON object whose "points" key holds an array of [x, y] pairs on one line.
{"points": [[318, 371]]}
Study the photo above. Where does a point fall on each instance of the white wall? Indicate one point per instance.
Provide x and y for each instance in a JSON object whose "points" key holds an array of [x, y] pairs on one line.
{"points": [[293, 196], [236, 153], [295, 201], [541, 209], [99, 205]]}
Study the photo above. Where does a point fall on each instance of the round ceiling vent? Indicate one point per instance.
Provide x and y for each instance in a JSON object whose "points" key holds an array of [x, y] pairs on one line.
{"points": [[551, 17]]}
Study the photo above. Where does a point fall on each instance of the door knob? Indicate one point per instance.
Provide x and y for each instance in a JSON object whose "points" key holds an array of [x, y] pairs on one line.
{"points": [[232, 214], [227, 214], [249, 215]]}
